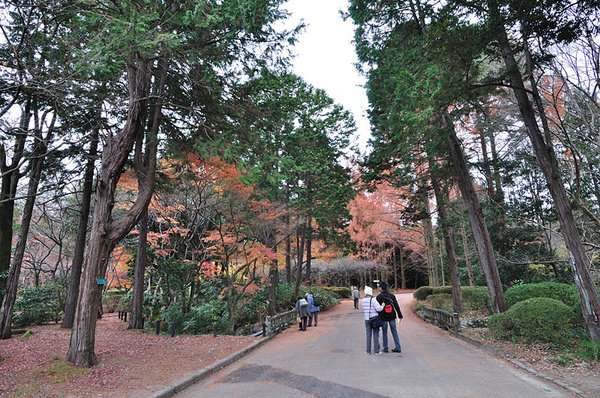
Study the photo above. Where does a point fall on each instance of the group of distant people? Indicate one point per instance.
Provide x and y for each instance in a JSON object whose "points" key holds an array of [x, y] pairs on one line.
{"points": [[308, 309], [381, 312]]}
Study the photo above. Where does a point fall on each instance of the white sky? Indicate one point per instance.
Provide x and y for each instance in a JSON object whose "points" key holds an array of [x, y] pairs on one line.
{"points": [[325, 57]]}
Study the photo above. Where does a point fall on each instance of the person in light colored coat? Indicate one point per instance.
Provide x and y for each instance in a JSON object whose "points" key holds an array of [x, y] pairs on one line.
{"points": [[303, 309], [371, 308]]}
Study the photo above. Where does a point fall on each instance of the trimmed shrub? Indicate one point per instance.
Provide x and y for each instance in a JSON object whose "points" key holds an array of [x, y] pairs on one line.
{"points": [[339, 290], [422, 292], [442, 301], [442, 290], [538, 319], [559, 291], [475, 298]]}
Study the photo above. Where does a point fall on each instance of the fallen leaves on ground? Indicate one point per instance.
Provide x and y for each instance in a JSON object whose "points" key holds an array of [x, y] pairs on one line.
{"points": [[131, 362]]}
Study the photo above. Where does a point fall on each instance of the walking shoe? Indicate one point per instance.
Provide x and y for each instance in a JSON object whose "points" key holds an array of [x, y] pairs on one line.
{"points": [[378, 353], [368, 353], [385, 350], [396, 350]]}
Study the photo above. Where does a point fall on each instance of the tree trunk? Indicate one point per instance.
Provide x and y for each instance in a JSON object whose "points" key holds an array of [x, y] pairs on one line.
{"points": [[395, 265], [467, 256], [10, 296], [106, 232], [82, 229], [299, 261], [487, 171], [10, 179], [429, 237], [590, 302], [288, 253], [309, 237], [137, 303], [447, 233], [481, 234], [402, 271], [273, 275]]}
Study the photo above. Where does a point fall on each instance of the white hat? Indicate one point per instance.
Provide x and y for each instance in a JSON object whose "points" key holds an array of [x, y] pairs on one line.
{"points": [[368, 290]]}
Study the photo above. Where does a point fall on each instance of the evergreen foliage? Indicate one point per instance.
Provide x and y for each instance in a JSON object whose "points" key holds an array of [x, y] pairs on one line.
{"points": [[559, 291], [539, 319]]}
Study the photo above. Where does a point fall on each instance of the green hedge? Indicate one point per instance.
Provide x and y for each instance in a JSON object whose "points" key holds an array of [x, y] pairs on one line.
{"points": [[442, 301], [559, 291], [422, 292], [474, 298], [539, 319]]}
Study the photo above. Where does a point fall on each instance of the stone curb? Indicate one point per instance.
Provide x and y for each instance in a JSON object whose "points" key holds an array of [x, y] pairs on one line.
{"points": [[187, 381], [519, 364]]}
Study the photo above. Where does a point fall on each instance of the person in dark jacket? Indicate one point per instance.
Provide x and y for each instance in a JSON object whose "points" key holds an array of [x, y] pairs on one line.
{"points": [[391, 312]]}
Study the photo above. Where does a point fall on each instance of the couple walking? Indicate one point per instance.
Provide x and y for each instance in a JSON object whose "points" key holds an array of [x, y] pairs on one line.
{"points": [[381, 312], [308, 309]]}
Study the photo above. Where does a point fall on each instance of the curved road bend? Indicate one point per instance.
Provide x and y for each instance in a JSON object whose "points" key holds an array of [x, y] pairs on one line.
{"points": [[329, 361]]}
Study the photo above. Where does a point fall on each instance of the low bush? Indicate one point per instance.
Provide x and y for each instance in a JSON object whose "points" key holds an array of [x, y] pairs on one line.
{"points": [[422, 292], [205, 318], [476, 298], [559, 291], [589, 350], [340, 291], [442, 301], [327, 298], [539, 319], [442, 290], [37, 305]]}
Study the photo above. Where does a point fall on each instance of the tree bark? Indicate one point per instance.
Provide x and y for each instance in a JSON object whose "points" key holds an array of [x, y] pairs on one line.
{"points": [[467, 256], [481, 234], [544, 151], [309, 238], [10, 179], [82, 229], [106, 232], [38, 158], [137, 304], [448, 237]]}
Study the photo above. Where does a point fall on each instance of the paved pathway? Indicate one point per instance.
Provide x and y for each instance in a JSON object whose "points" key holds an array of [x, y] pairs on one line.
{"points": [[329, 361]]}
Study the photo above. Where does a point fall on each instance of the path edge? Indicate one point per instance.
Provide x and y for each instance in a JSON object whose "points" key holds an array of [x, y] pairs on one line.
{"points": [[518, 364], [193, 378]]}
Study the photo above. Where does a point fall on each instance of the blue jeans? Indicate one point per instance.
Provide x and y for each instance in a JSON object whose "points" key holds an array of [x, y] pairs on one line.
{"points": [[375, 334], [392, 324]]}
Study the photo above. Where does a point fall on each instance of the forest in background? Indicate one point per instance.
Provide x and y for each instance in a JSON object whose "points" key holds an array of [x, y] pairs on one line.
{"points": [[160, 157]]}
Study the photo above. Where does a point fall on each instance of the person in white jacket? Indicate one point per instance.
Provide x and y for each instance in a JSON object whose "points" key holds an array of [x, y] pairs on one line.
{"points": [[371, 309]]}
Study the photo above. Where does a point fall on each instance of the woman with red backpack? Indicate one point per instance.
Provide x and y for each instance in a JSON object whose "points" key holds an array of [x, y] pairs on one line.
{"points": [[389, 314]]}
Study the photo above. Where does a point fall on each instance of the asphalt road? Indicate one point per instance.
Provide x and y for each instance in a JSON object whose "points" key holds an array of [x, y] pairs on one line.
{"points": [[329, 361]]}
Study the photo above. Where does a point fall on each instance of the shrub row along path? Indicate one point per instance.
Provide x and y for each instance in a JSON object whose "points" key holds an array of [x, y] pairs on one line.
{"points": [[330, 361]]}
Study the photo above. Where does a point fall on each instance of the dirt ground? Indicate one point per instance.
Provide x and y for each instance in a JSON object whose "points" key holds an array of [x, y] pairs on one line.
{"points": [[584, 376], [133, 363], [130, 362]]}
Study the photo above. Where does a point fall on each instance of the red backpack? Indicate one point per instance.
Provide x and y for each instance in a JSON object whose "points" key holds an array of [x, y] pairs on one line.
{"points": [[388, 308]]}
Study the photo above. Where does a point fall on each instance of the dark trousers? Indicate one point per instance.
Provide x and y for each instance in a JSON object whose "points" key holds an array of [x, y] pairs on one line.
{"points": [[311, 316], [356, 303], [302, 324]]}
